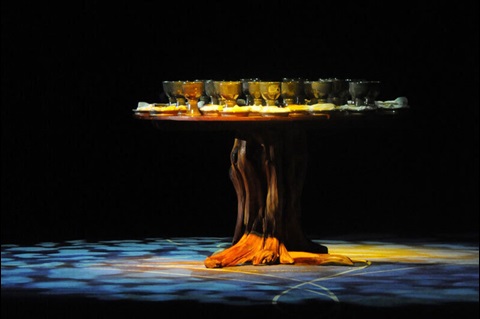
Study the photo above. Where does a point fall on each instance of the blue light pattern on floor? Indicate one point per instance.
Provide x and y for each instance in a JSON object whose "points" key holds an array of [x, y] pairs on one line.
{"points": [[162, 270]]}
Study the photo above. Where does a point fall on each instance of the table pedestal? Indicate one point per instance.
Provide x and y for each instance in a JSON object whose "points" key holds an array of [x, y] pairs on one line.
{"points": [[268, 169]]}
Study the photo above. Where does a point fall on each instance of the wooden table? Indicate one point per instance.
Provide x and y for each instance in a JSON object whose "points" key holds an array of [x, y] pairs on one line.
{"points": [[268, 169]]}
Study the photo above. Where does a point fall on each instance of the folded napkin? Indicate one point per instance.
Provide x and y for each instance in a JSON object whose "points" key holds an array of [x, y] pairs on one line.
{"points": [[352, 107], [321, 107], [398, 103], [144, 106]]}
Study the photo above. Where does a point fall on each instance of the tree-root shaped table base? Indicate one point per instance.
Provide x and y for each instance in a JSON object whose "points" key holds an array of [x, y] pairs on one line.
{"points": [[268, 168], [256, 250]]}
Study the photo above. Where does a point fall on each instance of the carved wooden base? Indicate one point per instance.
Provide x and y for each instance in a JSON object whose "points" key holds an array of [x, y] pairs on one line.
{"points": [[268, 170]]}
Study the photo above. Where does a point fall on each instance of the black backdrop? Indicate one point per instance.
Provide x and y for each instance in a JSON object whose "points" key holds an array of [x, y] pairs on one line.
{"points": [[75, 164]]}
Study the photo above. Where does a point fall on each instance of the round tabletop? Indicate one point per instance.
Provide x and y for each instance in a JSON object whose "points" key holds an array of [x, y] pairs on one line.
{"points": [[327, 120]]}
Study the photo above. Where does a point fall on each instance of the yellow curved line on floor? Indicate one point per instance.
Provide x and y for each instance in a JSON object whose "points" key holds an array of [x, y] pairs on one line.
{"points": [[404, 253]]}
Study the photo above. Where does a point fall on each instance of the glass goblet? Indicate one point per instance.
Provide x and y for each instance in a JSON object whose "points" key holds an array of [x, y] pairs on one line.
{"points": [[373, 92], [168, 89], [321, 90], [246, 92], [221, 100], [193, 90], [211, 92], [309, 96], [338, 96], [204, 99], [290, 91], [270, 92], [255, 92], [345, 94], [301, 93], [230, 91], [358, 90], [177, 91]]}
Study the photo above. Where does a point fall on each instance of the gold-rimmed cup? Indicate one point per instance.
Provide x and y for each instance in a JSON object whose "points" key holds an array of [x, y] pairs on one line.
{"points": [[230, 91], [193, 90], [290, 91], [270, 91], [321, 90], [255, 92]]}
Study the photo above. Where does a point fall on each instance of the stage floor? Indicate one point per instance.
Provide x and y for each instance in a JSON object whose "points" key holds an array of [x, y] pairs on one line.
{"points": [[404, 277]]}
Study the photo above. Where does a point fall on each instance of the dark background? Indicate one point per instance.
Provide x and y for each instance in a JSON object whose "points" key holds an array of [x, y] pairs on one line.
{"points": [[76, 164]]}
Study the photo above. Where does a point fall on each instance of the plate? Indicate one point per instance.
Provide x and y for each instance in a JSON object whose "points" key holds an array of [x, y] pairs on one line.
{"points": [[211, 110], [142, 110], [142, 113], [274, 114], [255, 110], [235, 111], [164, 110], [210, 113], [164, 113], [274, 111], [321, 108], [235, 114], [391, 106], [357, 109], [319, 113], [299, 110], [299, 113]]}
